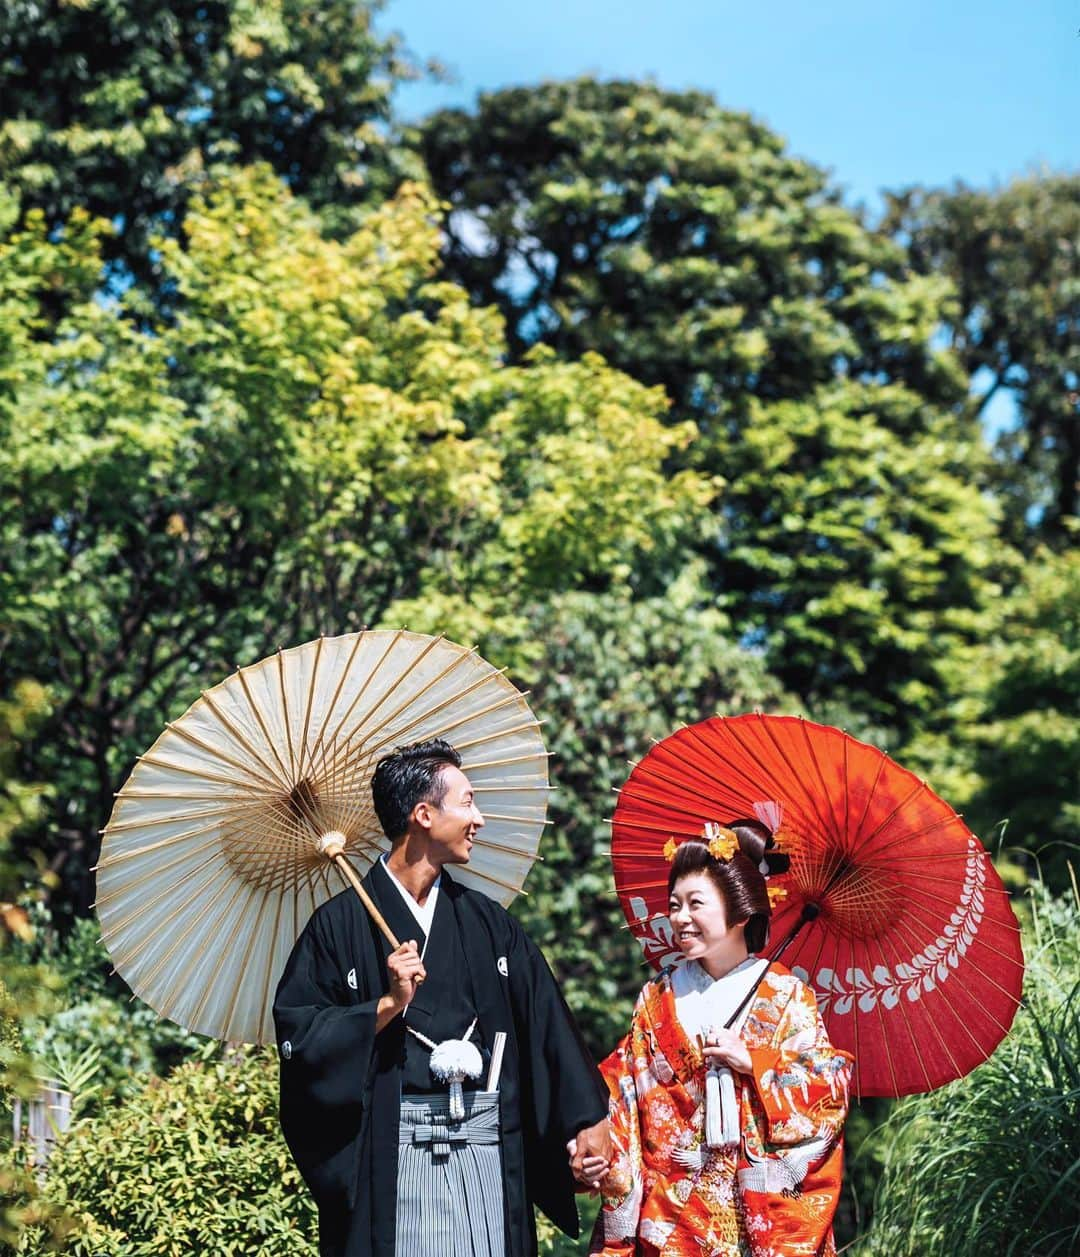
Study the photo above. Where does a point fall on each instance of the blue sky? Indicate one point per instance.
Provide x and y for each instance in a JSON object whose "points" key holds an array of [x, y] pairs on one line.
{"points": [[881, 95]]}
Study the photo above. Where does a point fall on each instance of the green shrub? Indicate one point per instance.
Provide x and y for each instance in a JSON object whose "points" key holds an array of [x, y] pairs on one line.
{"points": [[191, 1164], [991, 1164]]}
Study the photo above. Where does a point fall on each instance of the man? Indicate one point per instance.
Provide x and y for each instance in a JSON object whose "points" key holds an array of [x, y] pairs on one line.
{"points": [[391, 1169]]}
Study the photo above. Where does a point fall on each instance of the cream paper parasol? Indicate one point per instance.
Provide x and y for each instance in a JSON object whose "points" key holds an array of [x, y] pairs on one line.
{"points": [[220, 843]]}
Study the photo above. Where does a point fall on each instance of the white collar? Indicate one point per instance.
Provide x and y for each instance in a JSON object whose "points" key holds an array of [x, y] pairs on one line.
{"points": [[424, 915], [703, 1004]]}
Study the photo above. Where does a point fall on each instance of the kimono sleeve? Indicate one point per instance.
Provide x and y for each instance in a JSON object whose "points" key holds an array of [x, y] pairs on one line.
{"points": [[800, 1078], [615, 1234], [561, 1088], [326, 1038]]}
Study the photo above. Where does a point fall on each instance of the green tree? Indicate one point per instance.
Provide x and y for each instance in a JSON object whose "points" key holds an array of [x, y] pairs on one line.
{"points": [[616, 673], [112, 106], [1013, 255], [686, 245], [679, 239], [324, 437], [1027, 735]]}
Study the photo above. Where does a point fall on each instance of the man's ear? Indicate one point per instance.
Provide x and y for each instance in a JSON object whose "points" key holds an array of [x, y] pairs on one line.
{"points": [[422, 814]]}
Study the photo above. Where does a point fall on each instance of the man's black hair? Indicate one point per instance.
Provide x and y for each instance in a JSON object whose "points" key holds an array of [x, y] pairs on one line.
{"points": [[408, 776]]}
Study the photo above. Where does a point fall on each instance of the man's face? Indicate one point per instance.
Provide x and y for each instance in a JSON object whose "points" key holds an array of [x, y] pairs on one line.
{"points": [[452, 825]]}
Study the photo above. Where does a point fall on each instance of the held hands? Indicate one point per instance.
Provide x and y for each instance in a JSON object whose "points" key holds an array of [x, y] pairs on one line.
{"points": [[591, 1154], [724, 1047]]}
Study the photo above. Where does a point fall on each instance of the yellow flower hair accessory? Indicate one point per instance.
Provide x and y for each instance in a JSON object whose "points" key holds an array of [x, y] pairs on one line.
{"points": [[784, 841], [776, 893], [670, 847], [721, 841]]}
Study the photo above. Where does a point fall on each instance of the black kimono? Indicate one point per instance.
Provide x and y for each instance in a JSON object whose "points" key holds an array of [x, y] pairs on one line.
{"points": [[341, 1083]]}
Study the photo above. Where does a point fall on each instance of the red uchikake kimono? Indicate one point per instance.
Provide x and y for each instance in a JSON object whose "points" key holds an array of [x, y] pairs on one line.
{"points": [[773, 1194]]}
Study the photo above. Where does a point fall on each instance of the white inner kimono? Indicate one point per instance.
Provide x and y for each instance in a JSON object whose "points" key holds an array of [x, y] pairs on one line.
{"points": [[703, 1006]]}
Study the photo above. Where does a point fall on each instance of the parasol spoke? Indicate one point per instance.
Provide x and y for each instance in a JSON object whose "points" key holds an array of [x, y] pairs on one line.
{"points": [[509, 759], [283, 694], [496, 881], [166, 818], [204, 775], [796, 778], [886, 1038], [516, 852], [224, 953], [425, 716], [312, 683], [258, 935], [261, 781], [909, 836], [513, 699], [345, 672], [118, 857], [187, 962], [255, 711], [939, 927], [982, 973], [193, 921], [123, 890], [693, 735], [501, 733], [239, 737], [920, 787], [960, 1024], [917, 1049], [395, 685]]}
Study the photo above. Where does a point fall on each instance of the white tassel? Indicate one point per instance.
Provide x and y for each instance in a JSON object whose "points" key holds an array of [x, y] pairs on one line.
{"points": [[452, 1061], [721, 1108]]}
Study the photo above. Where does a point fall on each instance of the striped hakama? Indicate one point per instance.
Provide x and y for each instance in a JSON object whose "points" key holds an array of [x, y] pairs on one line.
{"points": [[449, 1184]]}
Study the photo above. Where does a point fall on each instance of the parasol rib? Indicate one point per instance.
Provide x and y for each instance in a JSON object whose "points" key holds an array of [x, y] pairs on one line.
{"points": [[239, 736], [261, 723], [310, 704], [287, 722], [179, 730]]}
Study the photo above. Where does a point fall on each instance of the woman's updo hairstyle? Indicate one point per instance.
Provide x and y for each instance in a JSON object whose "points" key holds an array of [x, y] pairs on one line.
{"points": [[739, 880]]}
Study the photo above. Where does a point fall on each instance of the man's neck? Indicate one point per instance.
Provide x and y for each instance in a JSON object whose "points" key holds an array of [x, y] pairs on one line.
{"points": [[413, 869]]}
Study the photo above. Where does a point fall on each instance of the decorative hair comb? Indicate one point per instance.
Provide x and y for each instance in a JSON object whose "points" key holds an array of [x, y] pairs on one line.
{"points": [[721, 842]]}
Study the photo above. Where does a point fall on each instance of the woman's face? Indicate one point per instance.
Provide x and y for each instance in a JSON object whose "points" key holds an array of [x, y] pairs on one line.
{"points": [[699, 924]]}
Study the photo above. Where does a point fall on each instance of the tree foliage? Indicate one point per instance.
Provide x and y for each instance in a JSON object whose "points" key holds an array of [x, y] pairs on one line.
{"points": [[685, 244], [324, 437], [1013, 255], [111, 107], [616, 673]]}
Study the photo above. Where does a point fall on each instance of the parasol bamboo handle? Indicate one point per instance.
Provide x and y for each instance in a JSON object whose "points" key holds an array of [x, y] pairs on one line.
{"points": [[336, 852]]}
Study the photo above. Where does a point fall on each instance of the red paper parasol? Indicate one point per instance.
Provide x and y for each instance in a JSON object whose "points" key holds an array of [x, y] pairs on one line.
{"points": [[914, 952]]}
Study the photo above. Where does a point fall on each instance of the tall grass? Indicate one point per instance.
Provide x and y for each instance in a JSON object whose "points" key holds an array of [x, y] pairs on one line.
{"points": [[990, 1165]]}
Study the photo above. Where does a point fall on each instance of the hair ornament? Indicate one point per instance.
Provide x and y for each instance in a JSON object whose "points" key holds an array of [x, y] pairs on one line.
{"points": [[776, 894], [721, 841], [784, 841], [670, 847]]}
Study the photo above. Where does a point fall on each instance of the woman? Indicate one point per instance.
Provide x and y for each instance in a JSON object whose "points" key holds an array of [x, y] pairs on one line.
{"points": [[728, 1138]]}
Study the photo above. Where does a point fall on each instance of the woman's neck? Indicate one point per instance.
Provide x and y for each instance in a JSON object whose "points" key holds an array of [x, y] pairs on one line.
{"points": [[721, 965]]}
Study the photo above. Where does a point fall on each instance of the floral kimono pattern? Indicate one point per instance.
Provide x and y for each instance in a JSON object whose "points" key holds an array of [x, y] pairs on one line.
{"points": [[774, 1193]]}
